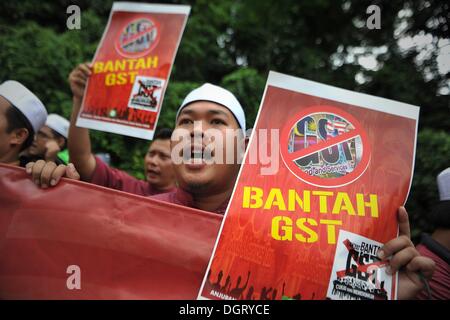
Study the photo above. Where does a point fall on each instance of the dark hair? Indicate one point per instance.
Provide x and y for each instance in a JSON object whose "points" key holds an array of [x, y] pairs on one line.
{"points": [[163, 134], [440, 215], [57, 136], [16, 120]]}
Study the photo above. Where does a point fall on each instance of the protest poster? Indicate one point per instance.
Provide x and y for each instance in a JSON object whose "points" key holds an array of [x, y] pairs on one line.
{"points": [[131, 68], [346, 162], [82, 241]]}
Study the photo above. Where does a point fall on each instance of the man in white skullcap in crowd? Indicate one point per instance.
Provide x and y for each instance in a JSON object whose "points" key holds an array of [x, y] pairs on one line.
{"points": [[22, 114], [200, 184], [50, 142]]}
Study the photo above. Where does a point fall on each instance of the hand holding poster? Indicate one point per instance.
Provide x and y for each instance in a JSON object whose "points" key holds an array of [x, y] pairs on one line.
{"points": [[131, 68], [315, 225]]}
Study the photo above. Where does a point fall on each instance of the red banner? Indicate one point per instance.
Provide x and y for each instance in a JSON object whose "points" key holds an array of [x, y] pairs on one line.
{"points": [[131, 68], [120, 246]]}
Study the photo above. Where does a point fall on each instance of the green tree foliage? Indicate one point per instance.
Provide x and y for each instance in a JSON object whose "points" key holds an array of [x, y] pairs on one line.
{"points": [[235, 43]]}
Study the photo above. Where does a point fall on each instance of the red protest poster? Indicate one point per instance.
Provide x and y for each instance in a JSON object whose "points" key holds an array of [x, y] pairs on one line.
{"points": [[131, 68], [82, 241], [311, 228]]}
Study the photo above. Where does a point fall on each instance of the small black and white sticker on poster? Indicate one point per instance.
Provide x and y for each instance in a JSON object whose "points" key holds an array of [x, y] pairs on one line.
{"points": [[146, 93], [358, 273]]}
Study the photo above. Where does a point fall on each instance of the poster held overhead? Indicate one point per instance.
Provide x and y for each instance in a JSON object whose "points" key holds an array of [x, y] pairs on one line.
{"points": [[131, 68]]}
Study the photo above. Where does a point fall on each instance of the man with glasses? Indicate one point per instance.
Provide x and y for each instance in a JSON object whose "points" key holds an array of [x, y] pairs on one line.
{"points": [[50, 142]]}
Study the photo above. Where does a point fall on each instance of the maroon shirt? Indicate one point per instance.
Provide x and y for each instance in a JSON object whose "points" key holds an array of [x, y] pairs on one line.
{"points": [[117, 179], [440, 283], [183, 198]]}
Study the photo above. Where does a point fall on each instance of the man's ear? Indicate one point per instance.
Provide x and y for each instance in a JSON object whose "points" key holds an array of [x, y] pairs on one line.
{"points": [[19, 136], [248, 133], [60, 141]]}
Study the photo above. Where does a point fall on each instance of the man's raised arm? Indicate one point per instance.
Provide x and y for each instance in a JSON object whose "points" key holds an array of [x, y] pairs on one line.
{"points": [[79, 142]]}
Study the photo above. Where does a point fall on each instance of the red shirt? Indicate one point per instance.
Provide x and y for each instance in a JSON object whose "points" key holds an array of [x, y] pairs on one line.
{"points": [[440, 283], [117, 179], [183, 198]]}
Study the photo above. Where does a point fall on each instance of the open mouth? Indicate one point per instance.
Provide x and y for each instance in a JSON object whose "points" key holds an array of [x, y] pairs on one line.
{"points": [[197, 156], [151, 173]]}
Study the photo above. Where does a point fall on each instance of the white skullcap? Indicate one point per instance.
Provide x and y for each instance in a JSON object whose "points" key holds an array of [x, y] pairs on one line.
{"points": [[216, 94], [59, 124], [443, 182], [26, 102]]}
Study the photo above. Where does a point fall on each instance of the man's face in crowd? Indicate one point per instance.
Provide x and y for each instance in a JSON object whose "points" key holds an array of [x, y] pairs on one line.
{"points": [[201, 177], [43, 136], [158, 165]]}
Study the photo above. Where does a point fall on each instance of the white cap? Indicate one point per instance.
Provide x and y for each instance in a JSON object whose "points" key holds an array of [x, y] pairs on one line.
{"points": [[443, 182], [212, 93], [26, 102], [59, 124]]}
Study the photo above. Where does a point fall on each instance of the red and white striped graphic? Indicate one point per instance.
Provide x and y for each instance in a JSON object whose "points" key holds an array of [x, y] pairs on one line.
{"points": [[340, 126]]}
